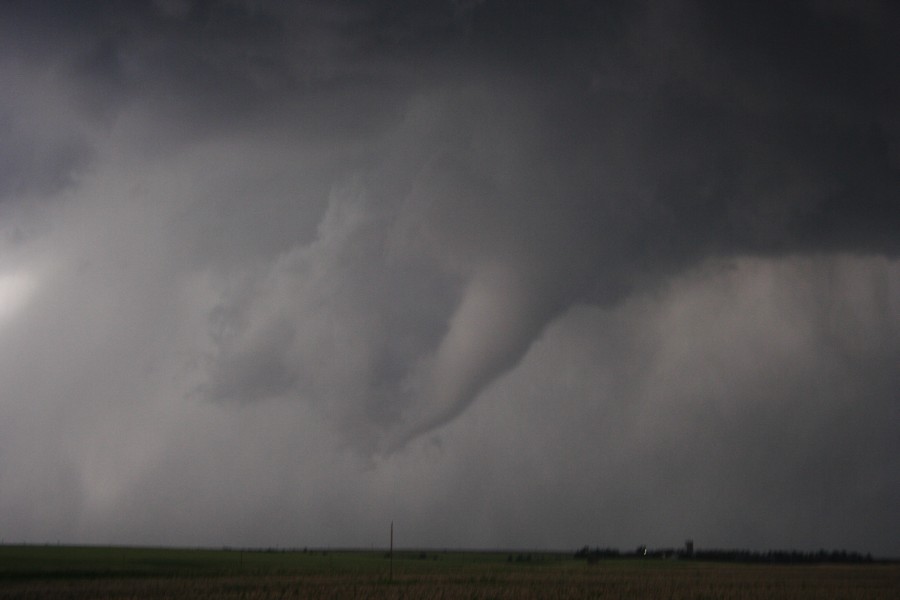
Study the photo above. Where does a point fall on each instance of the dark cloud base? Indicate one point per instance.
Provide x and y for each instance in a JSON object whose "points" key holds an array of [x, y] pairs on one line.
{"points": [[285, 272]]}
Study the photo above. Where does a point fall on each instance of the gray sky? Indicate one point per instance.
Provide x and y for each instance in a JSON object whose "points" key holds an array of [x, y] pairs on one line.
{"points": [[621, 273]]}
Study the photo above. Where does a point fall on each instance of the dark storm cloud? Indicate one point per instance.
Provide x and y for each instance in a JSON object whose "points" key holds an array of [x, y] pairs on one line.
{"points": [[285, 229], [635, 141]]}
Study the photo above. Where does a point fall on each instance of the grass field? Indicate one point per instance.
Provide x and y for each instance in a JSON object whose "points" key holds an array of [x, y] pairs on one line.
{"points": [[138, 573]]}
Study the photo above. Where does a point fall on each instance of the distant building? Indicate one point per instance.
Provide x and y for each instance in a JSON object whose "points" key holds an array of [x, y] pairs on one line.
{"points": [[689, 548]]}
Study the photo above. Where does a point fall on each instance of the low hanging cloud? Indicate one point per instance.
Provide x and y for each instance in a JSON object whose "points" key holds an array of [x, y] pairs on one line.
{"points": [[531, 193], [338, 253]]}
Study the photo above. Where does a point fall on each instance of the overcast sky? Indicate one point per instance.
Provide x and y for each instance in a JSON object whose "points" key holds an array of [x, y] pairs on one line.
{"points": [[510, 274]]}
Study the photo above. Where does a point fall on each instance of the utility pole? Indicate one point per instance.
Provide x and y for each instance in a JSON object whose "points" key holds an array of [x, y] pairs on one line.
{"points": [[391, 553]]}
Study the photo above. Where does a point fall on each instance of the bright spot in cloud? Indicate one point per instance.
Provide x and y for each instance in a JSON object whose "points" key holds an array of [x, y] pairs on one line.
{"points": [[15, 290]]}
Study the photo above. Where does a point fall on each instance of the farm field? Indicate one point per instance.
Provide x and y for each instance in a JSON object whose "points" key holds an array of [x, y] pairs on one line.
{"points": [[138, 573]]}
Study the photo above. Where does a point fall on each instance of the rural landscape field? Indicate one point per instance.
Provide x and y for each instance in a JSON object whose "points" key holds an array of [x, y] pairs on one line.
{"points": [[137, 573]]}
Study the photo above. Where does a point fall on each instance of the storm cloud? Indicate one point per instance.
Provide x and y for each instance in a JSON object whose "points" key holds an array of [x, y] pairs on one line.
{"points": [[546, 276]]}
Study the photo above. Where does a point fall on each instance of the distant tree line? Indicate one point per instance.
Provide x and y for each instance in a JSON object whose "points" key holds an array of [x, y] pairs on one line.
{"points": [[744, 556], [594, 554], [783, 556]]}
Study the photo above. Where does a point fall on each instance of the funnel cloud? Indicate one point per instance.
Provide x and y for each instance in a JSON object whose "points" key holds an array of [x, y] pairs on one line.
{"points": [[551, 275]]}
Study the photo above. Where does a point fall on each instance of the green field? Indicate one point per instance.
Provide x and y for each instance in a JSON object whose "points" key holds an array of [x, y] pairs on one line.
{"points": [[136, 573]]}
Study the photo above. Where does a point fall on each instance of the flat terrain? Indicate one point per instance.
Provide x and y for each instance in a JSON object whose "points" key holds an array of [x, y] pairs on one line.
{"points": [[138, 573]]}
